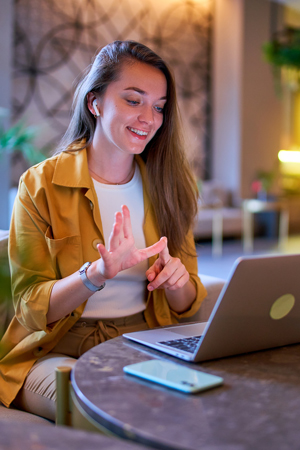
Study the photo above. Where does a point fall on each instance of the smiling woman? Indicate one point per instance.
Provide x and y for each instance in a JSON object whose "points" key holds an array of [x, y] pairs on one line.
{"points": [[100, 239]]}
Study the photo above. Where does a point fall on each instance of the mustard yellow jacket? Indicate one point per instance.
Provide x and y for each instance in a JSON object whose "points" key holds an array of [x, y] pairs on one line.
{"points": [[55, 228]]}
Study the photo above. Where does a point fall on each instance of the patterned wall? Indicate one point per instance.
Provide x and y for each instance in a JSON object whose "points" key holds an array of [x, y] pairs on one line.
{"points": [[55, 40]]}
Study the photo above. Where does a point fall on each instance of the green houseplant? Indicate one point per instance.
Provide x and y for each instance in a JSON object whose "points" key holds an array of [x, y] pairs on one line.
{"points": [[283, 52], [284, 49], [263, 183], [18, 141]]}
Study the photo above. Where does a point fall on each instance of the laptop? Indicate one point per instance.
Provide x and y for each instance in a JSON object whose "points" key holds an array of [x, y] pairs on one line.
{"points": [[257, 309]]}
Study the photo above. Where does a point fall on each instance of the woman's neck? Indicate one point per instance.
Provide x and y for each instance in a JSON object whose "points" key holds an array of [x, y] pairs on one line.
{"points": [[108, 169], [102, 180]]}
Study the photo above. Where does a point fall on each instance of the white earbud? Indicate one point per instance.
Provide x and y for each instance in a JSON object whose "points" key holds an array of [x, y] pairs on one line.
{"points": [[96, 108]]}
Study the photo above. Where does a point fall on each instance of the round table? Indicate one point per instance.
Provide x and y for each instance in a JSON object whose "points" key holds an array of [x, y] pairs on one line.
{"points": [[257, 407]]}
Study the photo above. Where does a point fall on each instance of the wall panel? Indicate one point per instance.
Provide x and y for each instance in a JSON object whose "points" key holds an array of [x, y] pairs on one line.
{"points": [[55, 40]]}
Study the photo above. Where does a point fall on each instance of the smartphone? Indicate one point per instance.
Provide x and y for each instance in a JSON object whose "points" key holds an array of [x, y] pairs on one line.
{"points": [[175, 376]]}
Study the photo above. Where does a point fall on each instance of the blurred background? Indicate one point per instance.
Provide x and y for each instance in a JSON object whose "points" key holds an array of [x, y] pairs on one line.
{"points": [[237, 66]]}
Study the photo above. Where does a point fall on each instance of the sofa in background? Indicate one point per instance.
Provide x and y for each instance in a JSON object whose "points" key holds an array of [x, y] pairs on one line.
{"points": [[212, 284], [219, 215]]}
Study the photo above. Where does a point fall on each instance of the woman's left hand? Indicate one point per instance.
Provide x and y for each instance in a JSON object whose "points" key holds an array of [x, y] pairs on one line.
{"points": [[167, 272]]}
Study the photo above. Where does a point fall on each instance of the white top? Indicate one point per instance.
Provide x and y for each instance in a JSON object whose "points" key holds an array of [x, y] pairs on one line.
{"points": [[125, 294]]}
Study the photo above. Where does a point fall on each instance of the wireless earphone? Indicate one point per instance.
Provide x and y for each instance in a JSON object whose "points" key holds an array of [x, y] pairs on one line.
{"points": [[96, 108]]}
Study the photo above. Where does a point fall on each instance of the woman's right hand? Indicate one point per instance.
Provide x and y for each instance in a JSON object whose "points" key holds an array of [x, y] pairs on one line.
{"points": [[122, 253], [68, 293]]}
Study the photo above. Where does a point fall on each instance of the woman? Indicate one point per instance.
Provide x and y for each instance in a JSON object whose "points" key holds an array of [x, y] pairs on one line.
{"points": [[83, 273]]}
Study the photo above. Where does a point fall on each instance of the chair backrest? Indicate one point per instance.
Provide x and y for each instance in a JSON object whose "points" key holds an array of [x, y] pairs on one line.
{"points": [[4, 246], [6, 308]]}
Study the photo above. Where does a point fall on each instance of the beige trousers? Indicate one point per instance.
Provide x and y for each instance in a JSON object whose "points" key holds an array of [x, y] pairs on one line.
{"points": [[38, 393]]}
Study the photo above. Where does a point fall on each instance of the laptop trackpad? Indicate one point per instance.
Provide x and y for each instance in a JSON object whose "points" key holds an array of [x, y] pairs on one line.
{"points": [[195, 329]]}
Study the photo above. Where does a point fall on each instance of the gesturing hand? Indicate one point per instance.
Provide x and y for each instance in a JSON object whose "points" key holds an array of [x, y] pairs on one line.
{"points": [[167, 272], [122, 253]]}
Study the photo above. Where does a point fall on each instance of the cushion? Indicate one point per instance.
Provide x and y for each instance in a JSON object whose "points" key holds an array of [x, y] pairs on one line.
{"points": [[213, 194], [12, 414]]}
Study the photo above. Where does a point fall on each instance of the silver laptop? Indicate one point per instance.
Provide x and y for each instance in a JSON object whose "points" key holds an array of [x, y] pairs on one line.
{"points": [[258, 308]]}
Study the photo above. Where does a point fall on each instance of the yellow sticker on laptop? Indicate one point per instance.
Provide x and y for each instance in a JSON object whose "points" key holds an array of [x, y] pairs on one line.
{"points": [[282, 306]]}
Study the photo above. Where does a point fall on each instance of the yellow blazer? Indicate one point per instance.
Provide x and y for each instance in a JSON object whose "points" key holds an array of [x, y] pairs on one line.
{"points": [[56, 226]]}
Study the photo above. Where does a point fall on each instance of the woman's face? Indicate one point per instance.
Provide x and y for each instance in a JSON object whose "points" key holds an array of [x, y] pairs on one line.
{"points": [[131, 109]]}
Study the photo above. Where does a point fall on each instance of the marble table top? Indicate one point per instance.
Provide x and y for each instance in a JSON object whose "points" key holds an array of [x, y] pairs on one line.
{"points": [[258, 407]]}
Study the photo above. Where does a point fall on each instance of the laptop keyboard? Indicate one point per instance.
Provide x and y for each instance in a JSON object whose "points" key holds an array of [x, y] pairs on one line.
{"points": [[187, 344]]}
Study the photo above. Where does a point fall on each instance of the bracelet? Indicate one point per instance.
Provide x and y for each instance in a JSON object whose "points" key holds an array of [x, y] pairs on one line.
{"points": [[86, 281]]}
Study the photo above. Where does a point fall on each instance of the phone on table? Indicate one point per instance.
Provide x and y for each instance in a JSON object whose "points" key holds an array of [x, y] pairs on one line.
{"points": [[175, 376]]}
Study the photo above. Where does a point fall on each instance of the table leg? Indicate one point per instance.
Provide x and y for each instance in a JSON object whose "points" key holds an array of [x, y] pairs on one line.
{"points": [[248, 231], [217, 233], [283, 228]]}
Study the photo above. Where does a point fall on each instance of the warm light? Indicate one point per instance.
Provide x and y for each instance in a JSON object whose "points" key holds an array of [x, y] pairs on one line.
{"points": [[289, 156]]}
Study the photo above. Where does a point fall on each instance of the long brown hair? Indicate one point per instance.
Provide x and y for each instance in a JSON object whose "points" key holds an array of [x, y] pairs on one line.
{"points": [[172, 188]]}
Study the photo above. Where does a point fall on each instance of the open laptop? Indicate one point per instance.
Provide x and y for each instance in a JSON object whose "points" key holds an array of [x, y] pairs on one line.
{"points": [[258, 308]]}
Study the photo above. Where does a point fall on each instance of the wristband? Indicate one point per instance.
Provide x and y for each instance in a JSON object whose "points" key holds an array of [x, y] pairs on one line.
{"points": [[86, 281]]}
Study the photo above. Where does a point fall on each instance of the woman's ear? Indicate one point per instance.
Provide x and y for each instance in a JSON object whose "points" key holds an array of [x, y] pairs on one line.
{"points": [[92, 104]]}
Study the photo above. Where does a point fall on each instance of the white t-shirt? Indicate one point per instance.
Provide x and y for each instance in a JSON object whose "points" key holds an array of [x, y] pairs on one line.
{"points": [[125, 294]]}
